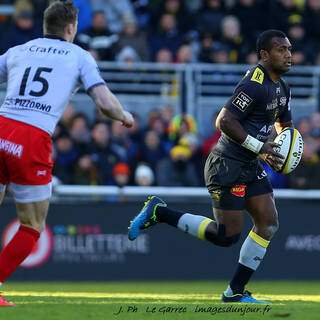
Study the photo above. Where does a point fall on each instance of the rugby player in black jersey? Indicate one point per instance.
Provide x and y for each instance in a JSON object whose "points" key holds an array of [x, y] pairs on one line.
{"points": [[234, 175]]}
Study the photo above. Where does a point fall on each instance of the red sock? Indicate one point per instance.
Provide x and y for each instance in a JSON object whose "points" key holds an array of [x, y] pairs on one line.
{"points": [[17, 250]]}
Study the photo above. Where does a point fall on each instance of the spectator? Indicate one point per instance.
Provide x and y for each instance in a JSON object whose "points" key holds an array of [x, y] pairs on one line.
{"points": [[233, 39], [115, 12], [22, 27], [304, 127], [207, 48], [221, 55], [166, 114], [104, 152], [184, 54], [191, 141], [210, 17], [251, 58], [121, 174], [67, 116], [180, 125], [80, 133], [135, 132], [65, 157], [211, 141], [164, 55], [315, 124], [245, 10], [177, 9], [85, 172], [284, 13], [98, 39], [84, 15], [128, 55], [132, 37], [152, 150], [307, 174], [177, 170], [312, 22], [144, 176], [167, 36]]}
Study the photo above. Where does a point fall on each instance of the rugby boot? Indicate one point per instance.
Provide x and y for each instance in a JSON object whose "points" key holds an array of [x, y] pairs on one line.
{"points": [[5, 303], [245, 297], [146, 217]]}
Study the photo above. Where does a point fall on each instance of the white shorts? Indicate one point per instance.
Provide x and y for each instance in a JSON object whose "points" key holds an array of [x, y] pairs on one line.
{"points": [[26, 193]]}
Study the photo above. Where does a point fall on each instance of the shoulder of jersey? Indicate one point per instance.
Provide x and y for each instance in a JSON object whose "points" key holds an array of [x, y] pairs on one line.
{"points": [[256, 75]]}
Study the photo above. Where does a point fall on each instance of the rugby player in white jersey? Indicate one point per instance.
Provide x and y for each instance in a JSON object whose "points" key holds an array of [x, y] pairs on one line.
{"points": [[41, 76]]}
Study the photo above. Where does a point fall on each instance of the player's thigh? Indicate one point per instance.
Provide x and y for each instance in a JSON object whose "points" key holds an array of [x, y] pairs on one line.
{"points": [[264, 214], [231, 219], [33, 214], [32, 204]]}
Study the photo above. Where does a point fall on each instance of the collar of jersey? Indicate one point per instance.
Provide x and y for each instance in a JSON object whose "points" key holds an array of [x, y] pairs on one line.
{"points": [[52, 36]]}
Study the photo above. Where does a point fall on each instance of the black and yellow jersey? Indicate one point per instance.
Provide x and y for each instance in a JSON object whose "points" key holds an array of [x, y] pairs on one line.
{"points": [[258, 102]]}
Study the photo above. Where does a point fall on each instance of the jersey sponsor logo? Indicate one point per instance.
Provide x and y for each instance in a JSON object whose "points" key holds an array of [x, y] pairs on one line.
{"points": [[258, 75], [283, 101], [11, 148], [37, 49], [272, 105], [239, 190], [242, 101]]}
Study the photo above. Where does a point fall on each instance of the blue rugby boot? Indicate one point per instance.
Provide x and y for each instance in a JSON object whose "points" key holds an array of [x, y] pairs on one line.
{"points": [[245, 297], [146, 217]]}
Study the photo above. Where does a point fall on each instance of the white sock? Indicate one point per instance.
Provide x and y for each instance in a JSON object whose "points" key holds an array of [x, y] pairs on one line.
{"points": [[194, 225], [253, 250]]}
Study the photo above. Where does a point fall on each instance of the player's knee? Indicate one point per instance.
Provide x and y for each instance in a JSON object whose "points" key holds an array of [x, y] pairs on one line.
{"points": [[28, 222], [228, 241], [220, 239], [272, 229]]}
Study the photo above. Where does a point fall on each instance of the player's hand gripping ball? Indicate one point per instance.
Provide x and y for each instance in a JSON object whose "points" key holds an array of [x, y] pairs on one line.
{"points": [[291, 147]]}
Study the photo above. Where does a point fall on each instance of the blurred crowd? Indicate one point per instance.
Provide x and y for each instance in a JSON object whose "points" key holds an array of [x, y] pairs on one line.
{"points": [[178, 31], [166, 151]]}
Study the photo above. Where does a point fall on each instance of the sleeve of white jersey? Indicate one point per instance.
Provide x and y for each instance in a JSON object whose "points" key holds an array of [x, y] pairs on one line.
{"points": [[3, 67], [89, 72]]}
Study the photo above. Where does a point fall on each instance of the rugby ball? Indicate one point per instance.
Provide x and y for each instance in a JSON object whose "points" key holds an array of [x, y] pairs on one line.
{"points": [[291, 147]]}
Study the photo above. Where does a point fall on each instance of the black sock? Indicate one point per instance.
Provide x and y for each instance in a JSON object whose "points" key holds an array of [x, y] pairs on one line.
{"points": [[241, 278], [171, 217]]}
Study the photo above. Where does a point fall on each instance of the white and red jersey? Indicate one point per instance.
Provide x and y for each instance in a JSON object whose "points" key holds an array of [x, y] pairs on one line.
{"points": [[41, 76]]}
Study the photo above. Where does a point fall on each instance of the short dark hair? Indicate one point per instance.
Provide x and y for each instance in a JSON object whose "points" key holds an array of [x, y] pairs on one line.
{"points": [[264, 40], [58, 15]]}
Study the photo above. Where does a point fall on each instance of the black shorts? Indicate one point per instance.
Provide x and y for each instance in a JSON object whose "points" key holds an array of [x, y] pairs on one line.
{"points": [[231, 181]]}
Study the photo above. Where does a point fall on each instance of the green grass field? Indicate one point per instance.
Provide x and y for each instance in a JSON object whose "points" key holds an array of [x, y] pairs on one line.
{"points": [[156, 300]]}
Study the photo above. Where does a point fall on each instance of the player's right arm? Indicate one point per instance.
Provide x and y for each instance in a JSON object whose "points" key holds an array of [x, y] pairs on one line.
{"points": [[95, 86], [109, 105]]}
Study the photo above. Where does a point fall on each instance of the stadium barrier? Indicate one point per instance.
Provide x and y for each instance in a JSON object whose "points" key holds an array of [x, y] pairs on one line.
{"points": [[86, 238]]}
